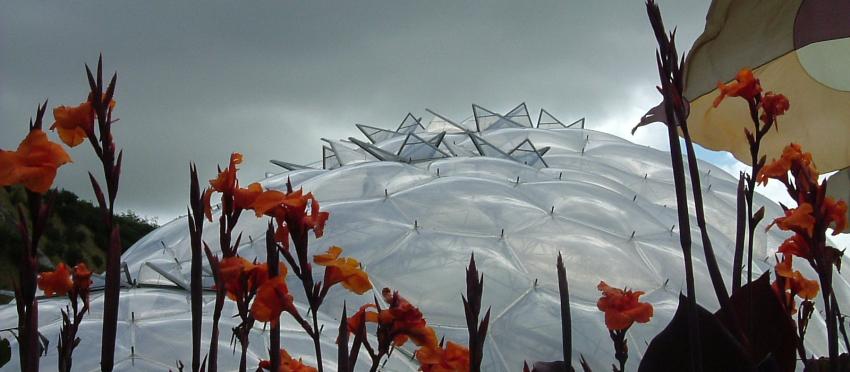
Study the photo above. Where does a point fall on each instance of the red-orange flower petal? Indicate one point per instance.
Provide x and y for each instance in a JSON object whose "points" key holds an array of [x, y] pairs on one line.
{"points": [[798, 219], [621, 307], [804, 288], [244, 198], [745, 86], [272, 299], [316, 220], [232, 271], [454, 358], [73, 123], [835, 212], [343, 270], [797, 246], [271, 200], [287, 364], [777, 169], [226, 181], [82, 278], [56, 282], [328, 257], [773, 105], [795, 281], [34, 164], [206, 203]]}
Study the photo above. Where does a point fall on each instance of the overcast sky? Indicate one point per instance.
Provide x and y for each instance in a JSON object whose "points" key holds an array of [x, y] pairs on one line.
{"points": [[198, 80]]}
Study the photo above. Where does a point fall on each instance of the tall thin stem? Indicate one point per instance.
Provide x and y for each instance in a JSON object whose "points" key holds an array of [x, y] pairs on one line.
{"points": [[670, 75]]}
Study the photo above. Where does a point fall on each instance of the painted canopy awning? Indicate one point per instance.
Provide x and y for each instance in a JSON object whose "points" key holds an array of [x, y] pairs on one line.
{"points": [[800, 48]]}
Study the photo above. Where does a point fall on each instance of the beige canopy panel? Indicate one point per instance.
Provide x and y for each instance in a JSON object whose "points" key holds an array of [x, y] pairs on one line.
{"points": [[800, 48]]}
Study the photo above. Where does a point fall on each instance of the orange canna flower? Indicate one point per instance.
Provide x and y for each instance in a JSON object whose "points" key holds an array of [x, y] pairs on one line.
{"points": [[343, 270], [797, 246], [232, 271], [777, 169], [773, 105], [798, 219], [226, 181], [81, 278], [241, 276], [243, 198], [287, 364], [835, 211], [621, 307], [355, 319], [454, 358], [804, 288], [273, 203], [795, 282], [316, 220], [401, 322], [272, 298], [34, 164], [73, 124], [793, 159], [406, 322], [746, 86], [56, 282]]}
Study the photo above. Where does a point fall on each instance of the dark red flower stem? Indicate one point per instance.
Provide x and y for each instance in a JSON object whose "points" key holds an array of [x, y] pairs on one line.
{"points": [[104, 147], [212, 356], [753, 218], [343, 358], [670, 74], [740, 234], [807, 308], [196, 229], [566, 320], [68, 339], [272, 261], [30, 347], [299, 233], [621, 349], [472, 309], [710, 259]]}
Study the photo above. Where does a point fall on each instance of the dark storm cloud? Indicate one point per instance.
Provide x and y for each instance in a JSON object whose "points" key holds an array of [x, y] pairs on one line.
{"points": [[199, 80]]}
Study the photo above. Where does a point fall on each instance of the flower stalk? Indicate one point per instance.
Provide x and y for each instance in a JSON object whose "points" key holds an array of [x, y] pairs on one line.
{"points": [[272, 260], [672, 109], [472, 309], [34, 166], [196, 228]]}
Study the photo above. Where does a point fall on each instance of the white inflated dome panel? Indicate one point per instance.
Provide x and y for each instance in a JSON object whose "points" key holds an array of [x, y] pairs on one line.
{"points": [[607, 204]]}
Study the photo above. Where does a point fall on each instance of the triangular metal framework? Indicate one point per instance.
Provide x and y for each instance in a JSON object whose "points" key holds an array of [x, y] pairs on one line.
{"points": [[329, 159], [289, 166], [409, 124], [348, 154], [578, 123], [488, 149], [520, 115], [486, 119], [447, 120], [529, 155], [376, 135], [547, 121], [416, 148], [375, 151]]}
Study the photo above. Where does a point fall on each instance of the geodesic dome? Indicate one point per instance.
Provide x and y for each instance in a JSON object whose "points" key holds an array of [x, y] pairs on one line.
{"points": [[413, 203]]}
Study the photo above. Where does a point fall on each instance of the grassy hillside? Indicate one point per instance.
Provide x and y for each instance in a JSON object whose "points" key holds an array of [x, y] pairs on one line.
{"points": [[75, 232]]}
